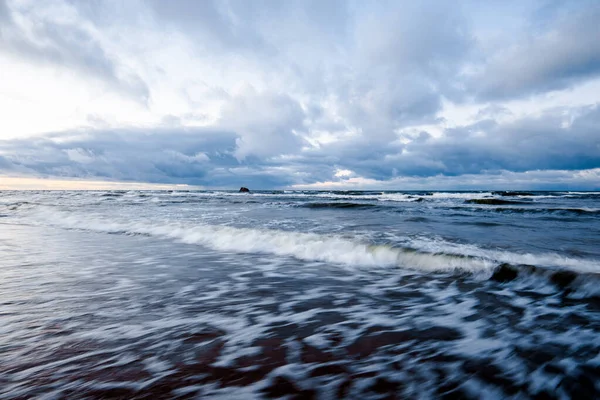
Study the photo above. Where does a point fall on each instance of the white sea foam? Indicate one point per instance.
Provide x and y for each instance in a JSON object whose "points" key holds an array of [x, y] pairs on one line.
{"points": [[383, 196], [422, 253], [538, 259], [460, 195], [394, 197], [304, 246], [587, 209]]}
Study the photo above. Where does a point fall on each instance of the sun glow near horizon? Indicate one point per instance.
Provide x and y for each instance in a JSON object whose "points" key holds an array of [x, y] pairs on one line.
{"points": [[18, 183]]}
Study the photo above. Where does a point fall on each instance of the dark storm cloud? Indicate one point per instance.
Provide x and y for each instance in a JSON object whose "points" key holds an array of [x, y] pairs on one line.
{"points": [[550, 141], [208, 157], [134, 155], [190, 156]]}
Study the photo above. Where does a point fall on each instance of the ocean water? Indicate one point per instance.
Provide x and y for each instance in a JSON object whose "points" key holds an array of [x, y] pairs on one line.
{"points": [[215, 294]]}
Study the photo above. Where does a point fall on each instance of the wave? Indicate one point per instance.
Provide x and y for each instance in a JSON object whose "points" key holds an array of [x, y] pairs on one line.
{"points": [[513, 194], [484, 223], [417, 219], [354, 192], [581, 211], [460, 195], [532, 209], [420, 253], [363, 195], [337, 195], [344, 205], [595, 193], [559, 211], [303, 246], [543, 260], [495, 202], [112, 194], [12, 206]]}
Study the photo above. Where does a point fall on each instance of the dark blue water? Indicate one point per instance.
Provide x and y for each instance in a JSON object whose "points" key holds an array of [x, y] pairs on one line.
{"points": [[176, 294]]}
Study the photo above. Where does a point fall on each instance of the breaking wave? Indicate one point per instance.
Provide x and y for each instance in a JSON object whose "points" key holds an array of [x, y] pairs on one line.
{"points": [[344, 205], [558, 211], [304, 246], [549, 260], [424, 254], [492, 201]]}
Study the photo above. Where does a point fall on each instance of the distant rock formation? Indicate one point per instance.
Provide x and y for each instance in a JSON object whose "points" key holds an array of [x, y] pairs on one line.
{"points": [[244, 190]]}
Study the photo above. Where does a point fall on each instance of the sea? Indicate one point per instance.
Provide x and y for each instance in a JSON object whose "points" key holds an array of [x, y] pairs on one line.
{"points": [[299, 294]]}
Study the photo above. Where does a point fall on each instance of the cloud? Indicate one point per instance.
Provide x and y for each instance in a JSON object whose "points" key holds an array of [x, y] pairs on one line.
{"points": [[134, 155], [499, 180], [4, 12], [560, 140], [551, 141], [273, 94], [376, 67], [268, 123], [53, 34], [167, 155], [553, 57], [400, 65]]}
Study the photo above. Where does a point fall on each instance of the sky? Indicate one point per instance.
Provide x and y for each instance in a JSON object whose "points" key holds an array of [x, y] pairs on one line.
{"points": [[403, 95]]}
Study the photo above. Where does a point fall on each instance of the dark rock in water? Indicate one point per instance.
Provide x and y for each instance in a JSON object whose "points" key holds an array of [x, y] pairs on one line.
{"points": [[420, 199], [562, 279], [244, 190], [493, 202], [508, 193], [505, 273]]}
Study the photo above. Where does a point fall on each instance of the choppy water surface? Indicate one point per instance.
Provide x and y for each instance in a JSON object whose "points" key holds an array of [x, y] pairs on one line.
{"points": [[167, 294]]}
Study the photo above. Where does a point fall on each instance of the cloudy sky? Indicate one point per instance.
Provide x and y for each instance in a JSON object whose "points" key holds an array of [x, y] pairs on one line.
{"points": [[302, 94]]}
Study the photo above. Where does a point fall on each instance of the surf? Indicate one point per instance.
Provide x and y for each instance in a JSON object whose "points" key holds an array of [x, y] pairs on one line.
{"points": [[420, 253]]}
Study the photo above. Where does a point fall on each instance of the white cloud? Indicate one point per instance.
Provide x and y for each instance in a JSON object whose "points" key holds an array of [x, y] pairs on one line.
{"points": [[342, 173], [299, 92]]}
